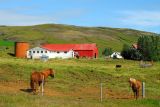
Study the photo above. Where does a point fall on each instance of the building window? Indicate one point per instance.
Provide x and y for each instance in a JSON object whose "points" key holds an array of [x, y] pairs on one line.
{"points": [[57, 51], [65, 51], [37, 51], [33, 51], [41, 51], [29, 51], [45, 51]]}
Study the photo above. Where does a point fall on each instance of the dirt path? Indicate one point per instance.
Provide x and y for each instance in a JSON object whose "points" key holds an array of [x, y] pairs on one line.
{"points": [[19, 86], [88, 92]]}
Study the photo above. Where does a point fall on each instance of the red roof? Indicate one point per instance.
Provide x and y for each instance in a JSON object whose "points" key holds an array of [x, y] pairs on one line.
{"points": [[67, 47], [135, 46]]}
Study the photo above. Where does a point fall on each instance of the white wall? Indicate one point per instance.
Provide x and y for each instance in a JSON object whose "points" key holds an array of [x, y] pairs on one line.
{"points": [[69, 54], [37, 53], [117, 54]]}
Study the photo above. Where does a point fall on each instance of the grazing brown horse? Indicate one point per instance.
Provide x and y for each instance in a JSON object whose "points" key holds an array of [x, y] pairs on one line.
{"points": [[136, 86], [38, 77]]}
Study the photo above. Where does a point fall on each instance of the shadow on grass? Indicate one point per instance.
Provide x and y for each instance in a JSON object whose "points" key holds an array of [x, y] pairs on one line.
{"points": [[11, 54], [26, 90]]}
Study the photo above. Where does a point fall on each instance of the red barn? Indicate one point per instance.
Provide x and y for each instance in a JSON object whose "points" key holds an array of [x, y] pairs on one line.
{"points": [[83, 50]]}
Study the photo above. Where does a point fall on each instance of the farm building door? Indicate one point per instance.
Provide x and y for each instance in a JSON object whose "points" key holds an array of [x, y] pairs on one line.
{"points": [[95, 55]]}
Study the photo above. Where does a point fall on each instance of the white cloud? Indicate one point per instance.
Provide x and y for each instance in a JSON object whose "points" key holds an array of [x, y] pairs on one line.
{"points": [[13, 18], [141, 18]]}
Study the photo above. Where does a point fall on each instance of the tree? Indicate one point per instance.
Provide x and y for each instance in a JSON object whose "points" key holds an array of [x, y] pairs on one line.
{"points": [[107, 51], [126, 52], [149, 47], [130, 53]]}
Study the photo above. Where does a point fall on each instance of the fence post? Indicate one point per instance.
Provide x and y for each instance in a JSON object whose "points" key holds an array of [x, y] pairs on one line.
{"points": [[101, 91], [143, 89]]}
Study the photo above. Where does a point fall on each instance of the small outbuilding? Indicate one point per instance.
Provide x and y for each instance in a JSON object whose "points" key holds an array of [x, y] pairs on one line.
{"points": [[116, 55], [135, 46]]}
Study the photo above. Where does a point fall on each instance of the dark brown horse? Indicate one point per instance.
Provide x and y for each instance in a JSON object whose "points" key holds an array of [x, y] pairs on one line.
{"points": [[38, 77], [136, 86]]}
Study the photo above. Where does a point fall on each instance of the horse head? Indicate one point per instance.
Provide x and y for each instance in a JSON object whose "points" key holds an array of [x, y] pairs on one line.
{"points": [[51, 73], [132, 81]]}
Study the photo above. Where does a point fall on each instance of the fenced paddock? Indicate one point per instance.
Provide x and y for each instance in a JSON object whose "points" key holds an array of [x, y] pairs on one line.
{"points": [[77, 93], [77, 83], [97, 91]]}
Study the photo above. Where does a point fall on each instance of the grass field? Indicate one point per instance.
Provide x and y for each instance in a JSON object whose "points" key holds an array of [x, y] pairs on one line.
{"points": [[6, 43], [77, 83]]}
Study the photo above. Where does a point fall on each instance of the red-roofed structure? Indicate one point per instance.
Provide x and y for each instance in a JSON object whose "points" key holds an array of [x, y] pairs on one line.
{"points": [[135, 45], [83, 50]]}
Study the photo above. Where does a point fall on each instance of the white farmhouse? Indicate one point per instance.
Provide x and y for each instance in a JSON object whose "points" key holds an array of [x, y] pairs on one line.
{"points": [[116, 55], [39, 52]]}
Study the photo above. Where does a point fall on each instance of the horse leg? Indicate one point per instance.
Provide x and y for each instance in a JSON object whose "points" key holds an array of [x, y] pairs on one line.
{"points": [[39, 86], [34, 87], [136, 95], [31, 85]]}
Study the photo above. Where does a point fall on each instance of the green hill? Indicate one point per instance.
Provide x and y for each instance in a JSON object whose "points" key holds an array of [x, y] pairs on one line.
{"points": [[56, 33]]}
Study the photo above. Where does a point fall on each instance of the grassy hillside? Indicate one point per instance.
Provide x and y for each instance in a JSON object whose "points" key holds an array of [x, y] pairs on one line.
{"points": [[55, 33], [77, 83]]}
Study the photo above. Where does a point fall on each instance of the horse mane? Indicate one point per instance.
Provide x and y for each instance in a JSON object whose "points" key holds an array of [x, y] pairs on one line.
{"points": [[133, 80]]}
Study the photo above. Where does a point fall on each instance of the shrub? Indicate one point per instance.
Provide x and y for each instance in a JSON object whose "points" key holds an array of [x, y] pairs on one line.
{"points": [[107, 51]]}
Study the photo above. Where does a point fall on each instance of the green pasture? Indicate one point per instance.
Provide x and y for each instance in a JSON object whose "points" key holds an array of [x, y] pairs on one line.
{"points": [[6, 43], [77, 83]]}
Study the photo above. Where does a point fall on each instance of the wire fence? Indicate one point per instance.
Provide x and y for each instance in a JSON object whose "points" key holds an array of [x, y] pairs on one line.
{"points": [[100, 90]]}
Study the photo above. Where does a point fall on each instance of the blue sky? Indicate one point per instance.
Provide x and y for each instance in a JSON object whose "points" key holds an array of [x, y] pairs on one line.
{"points": [[135, 14]]}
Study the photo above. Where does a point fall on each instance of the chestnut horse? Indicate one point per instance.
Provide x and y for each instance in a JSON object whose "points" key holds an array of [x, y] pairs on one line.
{"points": [[136, 86], [38, 77]]}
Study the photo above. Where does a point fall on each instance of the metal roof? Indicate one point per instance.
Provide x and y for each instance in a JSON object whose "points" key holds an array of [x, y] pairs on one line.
{"points": [[67, 47]]}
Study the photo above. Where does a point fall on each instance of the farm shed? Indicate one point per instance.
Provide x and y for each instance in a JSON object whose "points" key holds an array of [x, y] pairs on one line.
{"points": [[135, 46], [83, 50], [116, 55], [40, 52]]}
